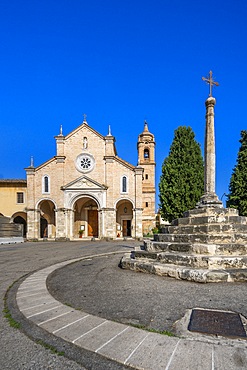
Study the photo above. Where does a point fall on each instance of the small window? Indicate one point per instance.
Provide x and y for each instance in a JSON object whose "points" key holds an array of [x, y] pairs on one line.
{"points": [[146, 204], [146, 176], [146, 153], [20, 197], [46, 184], [124, 184]]}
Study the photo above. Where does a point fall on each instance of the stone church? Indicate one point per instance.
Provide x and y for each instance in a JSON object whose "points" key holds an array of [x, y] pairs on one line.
{"points": [[86, 190]]}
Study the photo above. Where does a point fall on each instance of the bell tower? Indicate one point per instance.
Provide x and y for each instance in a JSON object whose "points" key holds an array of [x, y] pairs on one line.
{"points": [[146, 160]]}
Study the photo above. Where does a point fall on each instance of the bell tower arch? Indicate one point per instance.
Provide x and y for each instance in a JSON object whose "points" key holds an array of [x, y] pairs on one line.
{"points": [[146, 160]]}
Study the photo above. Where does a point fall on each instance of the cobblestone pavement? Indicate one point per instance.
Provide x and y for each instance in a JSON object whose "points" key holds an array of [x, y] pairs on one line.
{"points": [[16, 260]]}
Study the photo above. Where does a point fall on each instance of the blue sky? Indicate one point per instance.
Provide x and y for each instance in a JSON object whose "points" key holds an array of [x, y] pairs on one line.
{"points": [[120, 62]]}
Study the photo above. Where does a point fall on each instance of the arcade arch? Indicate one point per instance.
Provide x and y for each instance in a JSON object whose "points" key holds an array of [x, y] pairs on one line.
{"points": [[86, 217], [20, 218], [124, 218], [47, 222]]}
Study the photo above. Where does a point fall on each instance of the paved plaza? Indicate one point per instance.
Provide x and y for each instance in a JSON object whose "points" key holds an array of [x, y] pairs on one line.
{"points": [[108, 300]]}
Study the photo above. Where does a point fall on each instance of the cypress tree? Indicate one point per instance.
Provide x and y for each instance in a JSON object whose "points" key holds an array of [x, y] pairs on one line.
{"points": [[182, 179], [237, 198]]}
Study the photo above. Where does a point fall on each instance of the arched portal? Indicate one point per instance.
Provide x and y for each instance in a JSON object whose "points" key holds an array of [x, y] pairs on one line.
{"points": [[47, 219], [86, 218], [124, 218], [21, 218]]}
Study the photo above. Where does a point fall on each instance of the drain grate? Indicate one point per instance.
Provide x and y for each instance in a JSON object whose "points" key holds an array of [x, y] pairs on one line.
{"points": [[227, 324]]}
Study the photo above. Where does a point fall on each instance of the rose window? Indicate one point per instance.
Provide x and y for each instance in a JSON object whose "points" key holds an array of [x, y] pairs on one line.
{"points": [[85, 163]]}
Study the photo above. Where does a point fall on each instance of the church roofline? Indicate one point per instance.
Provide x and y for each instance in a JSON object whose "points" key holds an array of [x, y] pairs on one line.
{"points": [[83, 124], [120, 160], [43, 164]]}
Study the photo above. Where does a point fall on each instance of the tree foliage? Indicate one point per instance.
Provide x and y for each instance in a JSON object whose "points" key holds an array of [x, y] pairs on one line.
{"points": [[182, 180], [237, 197]]}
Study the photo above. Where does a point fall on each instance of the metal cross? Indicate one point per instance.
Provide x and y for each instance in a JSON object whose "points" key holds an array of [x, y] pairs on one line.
{"points": [[85, 117], [210, 81]]}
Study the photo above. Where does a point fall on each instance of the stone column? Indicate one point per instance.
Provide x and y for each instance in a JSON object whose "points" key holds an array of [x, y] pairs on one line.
{"points": [[209, 148], [209, 199]]}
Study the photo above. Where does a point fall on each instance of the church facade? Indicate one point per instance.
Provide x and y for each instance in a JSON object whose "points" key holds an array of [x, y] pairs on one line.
{"points": [[86, 190]]}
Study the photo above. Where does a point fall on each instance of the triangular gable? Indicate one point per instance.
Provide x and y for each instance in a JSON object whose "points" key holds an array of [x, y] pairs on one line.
{"points": [[86, 126], [85, 183], [45, 163]]}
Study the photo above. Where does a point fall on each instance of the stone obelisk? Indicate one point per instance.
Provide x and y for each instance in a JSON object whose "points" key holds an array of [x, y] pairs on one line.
{"points": [[209, 198]]}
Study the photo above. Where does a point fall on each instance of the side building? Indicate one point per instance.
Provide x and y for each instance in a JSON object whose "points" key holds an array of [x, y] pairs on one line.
{"points": [[13, 201], [86, 190]]}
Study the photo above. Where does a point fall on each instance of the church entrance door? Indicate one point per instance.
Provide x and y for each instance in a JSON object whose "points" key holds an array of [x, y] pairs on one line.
{"points": [[93, 223], [126, 227]]}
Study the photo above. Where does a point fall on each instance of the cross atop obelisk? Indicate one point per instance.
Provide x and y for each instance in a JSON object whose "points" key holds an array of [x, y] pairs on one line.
{"points": [[209, 198], [210, 81]]}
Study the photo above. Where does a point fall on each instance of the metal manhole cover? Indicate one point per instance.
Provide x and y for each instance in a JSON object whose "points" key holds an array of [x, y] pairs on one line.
{"points": [[228, 324]]}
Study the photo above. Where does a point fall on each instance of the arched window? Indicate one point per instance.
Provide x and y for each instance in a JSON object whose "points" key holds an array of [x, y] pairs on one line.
{"points": [[146, 153], [124, 184], [46, 184]]}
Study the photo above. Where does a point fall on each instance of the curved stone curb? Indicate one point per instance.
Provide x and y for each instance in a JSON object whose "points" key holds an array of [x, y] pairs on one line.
{"points": [[124, 344]]}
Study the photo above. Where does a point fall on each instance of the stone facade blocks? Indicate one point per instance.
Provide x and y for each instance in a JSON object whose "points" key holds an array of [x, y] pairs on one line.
{"points": [[86, 190]]}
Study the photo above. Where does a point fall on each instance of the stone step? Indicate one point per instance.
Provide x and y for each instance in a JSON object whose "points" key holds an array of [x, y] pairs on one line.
{"points": [[4, 220], [198, 261], [200, 275], [167, 246], [10, 230], [197, 248], [6, 227], [205, 211], [205, 229], [210, 219], [220, 238], [10, 233]]}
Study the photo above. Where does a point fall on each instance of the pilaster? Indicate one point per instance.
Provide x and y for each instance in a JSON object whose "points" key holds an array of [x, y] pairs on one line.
{"points": [[110, 149], [137, 223], [62, 223], [60, 139], [108, 218], [33, 222]]}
